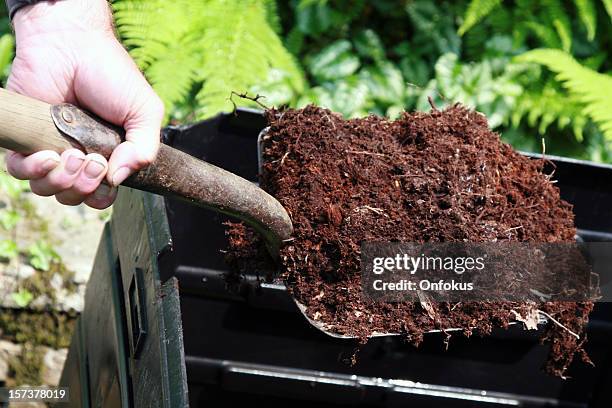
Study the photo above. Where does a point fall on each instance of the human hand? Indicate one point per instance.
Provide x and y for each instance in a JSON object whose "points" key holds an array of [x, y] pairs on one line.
{"points": [[67, 52]]}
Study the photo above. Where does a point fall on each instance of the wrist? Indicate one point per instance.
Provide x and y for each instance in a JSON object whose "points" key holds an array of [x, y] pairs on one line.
{"points": [[63, 16]]}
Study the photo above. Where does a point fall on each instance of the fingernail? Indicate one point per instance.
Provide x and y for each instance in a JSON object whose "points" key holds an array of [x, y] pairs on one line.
{"points": [[120, 175], [103, 191], [73, 164], [93, 169], [49, 164]]}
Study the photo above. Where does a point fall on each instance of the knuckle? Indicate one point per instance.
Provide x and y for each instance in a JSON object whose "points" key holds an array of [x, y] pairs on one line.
{"points": [[14, 167]]}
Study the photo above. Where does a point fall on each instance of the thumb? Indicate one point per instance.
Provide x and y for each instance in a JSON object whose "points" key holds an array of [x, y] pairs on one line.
{"points": [[141, 144]]}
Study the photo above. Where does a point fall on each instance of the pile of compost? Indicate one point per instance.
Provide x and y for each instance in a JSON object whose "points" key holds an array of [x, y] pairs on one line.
{"points": [[425, 177]]}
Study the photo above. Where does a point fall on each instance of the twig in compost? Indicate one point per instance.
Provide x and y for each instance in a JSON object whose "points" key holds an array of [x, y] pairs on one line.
{"points": [[375, 210], [431, 103], [366, 152], [513, 229], [558, 323], [245, 95]]}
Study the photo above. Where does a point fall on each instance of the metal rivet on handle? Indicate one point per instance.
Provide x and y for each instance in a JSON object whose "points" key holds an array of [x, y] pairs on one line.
{"points": [[67, 116]]}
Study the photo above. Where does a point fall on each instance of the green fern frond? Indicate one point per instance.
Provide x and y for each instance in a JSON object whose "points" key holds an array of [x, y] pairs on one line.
{"points": [[546, 105], [544, 33], [588, 16], [240, 57], [591, 88], [272, 15], [216, 46], [476, 11], [149, 27], [608, 6], [560, 21]]}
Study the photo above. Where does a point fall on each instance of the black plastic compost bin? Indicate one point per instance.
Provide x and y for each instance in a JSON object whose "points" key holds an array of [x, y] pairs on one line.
{"points": [[159, 328]]}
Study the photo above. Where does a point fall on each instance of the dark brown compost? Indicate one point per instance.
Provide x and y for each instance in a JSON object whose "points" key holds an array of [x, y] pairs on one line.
{"points": [[437, 176]]}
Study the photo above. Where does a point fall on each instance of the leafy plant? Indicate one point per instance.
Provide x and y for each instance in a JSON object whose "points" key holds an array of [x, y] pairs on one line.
{"points": [[544, 105], [488, 85], [591, 88], [476, 11], [197, 52], [41, 254], [548, 20], [11, 186], [22, 298], [9, 218], [8, 250], [7, 52]]}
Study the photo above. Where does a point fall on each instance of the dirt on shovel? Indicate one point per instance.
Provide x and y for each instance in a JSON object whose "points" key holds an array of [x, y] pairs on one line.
{"points": [[425, 177]]}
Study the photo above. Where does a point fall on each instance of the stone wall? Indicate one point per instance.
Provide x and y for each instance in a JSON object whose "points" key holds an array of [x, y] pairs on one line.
{"points": [[39, 302]]}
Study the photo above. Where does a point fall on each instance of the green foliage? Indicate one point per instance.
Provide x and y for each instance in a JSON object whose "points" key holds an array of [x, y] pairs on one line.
{"points": [[383, 57], [7, 51], [544, 105], [8, 250], [197, 52], [548, 20], [608, 6], [588, 16], [488, 85], [41, 255], [591, 88], [476, 11], [11, 186], [9, 218], [22, 298]]}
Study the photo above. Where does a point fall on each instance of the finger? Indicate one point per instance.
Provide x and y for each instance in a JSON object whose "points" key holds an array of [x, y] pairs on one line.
{"points": [[32, 167], [102, 198], [87, 181], [62, 177], [69, 197], [142, 142]]}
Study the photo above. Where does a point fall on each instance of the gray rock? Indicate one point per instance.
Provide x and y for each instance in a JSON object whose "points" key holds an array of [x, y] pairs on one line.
{"points": [[53, 364], [8, 350]]}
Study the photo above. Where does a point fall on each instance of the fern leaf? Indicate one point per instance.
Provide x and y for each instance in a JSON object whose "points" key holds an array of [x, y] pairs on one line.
{"points": [[608, 6], [175, 88], [591, 88], [476, 11], [588, 16], [544, 33], [240, 57], [216, 46], [560, 21], [548, 104], [272, 15], [149, 27]]}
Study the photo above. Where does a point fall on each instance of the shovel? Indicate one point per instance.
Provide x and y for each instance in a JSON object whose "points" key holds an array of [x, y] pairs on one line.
{"points": [[28, 125]]}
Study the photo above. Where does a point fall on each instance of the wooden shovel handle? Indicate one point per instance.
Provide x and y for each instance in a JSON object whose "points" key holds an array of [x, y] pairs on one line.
{"points": [[26, 125]]}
